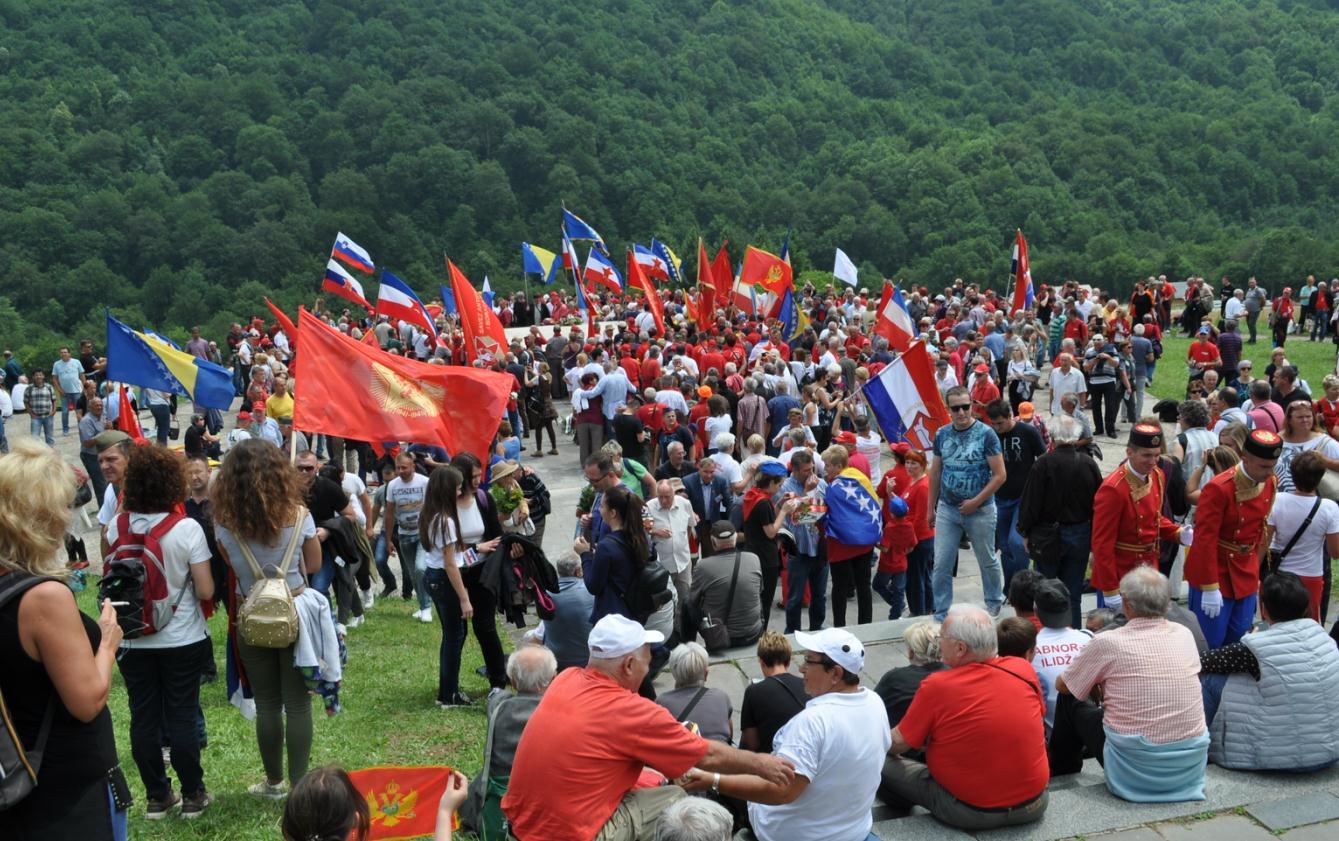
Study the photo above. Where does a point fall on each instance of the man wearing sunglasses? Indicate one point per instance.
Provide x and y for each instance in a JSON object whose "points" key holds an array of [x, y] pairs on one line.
{"points": [[968, 468]]}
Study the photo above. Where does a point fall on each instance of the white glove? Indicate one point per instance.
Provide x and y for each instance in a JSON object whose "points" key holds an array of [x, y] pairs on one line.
{"points": [[1113, 601], [1211, 603], [1187, 535]]}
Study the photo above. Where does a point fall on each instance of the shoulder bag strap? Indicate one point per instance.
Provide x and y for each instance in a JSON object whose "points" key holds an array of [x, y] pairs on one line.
{"points": [[488, 744], [683, 716], [1301, 530], [14, 585], [730, 595], [790, 690], [292, 541]]}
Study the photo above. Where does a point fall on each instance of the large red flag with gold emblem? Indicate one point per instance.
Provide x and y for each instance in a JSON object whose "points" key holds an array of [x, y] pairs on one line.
{"points": [[348, 389], [485, 337], [402, 800]]}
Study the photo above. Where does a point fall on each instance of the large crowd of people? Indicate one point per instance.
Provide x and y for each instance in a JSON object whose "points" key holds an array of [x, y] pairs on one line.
{"points": [[736, 485]]}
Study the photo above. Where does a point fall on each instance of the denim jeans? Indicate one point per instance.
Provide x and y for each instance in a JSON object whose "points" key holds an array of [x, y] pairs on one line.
{"points": [[1075, 540], [162, 420], [323, 577], [164, 686], [1320, 325], [979, 527], [4, 442], [43, 429], [453, 632], [920, 590], [1211, 690], [892, 586], [802, 570], [1013, 554], [381, 554], [66, 403], [412, 567]]}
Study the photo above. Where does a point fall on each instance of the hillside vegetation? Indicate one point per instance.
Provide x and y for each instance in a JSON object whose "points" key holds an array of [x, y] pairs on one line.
{"points": [[175, 160]]}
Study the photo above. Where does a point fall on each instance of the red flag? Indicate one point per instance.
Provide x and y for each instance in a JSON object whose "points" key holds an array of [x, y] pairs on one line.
{"points": [[484, 336], [723, 274], [402, 800], [1022, 273], [285, 323], [126, 419], [370, 338], [382, 397], [637, 280], [706, 286], [765, 270]]}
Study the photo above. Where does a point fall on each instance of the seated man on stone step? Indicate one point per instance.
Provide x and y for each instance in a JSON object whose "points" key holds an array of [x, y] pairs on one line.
{"points": [[980, 723], [1149, 731]]}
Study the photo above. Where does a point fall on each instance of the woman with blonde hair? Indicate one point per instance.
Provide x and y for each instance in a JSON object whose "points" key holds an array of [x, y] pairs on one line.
{"points": [[258, 502], [898, 686], [54, 661]]}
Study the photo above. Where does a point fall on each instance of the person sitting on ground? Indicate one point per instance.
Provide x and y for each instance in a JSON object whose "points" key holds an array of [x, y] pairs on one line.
{"points": [[590, 739], [710, 593], [695, 819], [692, 700], [1152, 744], [566, 633], [772, 701], [980, 723], [1057, 643], [836, 746], [1022, 591], [1016, 636], [898, 685], [530, 670], [1271, 699]]}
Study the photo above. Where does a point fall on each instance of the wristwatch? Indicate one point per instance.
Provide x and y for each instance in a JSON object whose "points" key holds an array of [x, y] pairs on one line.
{"points": [[716, 783]]}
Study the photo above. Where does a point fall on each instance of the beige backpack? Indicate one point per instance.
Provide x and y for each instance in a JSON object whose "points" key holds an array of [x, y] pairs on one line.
{"points": [[268, 618]]}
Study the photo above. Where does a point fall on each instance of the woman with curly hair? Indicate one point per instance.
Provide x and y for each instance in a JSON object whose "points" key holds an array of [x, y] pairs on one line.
{"points": [[162, 667], [257, 497], [54, 659]]}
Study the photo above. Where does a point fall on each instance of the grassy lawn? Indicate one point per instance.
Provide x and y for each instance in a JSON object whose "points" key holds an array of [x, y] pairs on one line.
{"points": [[389, 717], [1313, 359]]}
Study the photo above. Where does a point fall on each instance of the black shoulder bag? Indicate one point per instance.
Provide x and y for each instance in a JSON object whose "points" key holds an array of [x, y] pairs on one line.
{"points": [[714, 630], [1274, 558]]}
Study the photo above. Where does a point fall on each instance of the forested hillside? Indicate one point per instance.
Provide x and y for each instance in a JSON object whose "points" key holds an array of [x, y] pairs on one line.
{"points": [[174, 158]]}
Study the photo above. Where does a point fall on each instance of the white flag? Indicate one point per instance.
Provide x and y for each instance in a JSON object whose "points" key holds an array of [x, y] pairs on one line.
{"points": [[844, 270]]}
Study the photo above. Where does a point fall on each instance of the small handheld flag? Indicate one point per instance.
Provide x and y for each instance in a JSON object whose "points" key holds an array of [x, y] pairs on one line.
{"points": [[352, 254]]}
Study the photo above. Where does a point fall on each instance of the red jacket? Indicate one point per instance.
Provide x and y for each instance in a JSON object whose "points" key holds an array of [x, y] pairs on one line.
{"points": [[1229, 525]]}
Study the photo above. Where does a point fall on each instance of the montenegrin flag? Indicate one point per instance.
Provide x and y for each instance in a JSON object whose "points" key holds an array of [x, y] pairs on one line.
{"points": [[382, 397], [352, 254], [906, 401], [402, 800], [145, 359], [764, 270]]}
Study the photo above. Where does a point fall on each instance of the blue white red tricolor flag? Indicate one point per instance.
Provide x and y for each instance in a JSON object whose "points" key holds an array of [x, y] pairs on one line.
{"points": [[600, 269], [574, 227], [906, 401], [352, 254], [397, 301], [343, 284], [893, 321], [570, 260], [486, 292], [653, 265], [1022, 274]]}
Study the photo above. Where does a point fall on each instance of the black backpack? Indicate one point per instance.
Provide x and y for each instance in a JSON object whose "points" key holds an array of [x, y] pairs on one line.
{"points": [[650, 588], [19, 767]]}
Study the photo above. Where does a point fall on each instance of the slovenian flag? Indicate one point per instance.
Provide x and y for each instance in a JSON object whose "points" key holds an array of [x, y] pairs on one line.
{"points": [[893, 321], [1022, 274], [574, 227], [343, 284], [653, 265], [540, 261], [600, 269], [397, 301], [906, 401], [352, 254]]}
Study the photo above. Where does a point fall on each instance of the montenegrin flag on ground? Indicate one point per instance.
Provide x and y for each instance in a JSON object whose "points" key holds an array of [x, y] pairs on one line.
{"points": [[145, 359], [381, 397], [905, 399], [402, 800]]}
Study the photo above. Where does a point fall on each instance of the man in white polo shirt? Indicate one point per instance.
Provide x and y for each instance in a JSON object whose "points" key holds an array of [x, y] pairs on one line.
{"points": [[837, 744]]}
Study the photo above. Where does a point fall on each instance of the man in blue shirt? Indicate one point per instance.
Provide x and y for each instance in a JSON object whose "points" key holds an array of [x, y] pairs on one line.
{"points": [[808, 563], [778, 414], [67, 376], [613, 388], [967, 469]]}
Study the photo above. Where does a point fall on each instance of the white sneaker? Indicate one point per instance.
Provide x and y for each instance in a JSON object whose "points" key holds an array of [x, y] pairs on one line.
{"points": [[369, 599], [425, 616], [355, 621], [418, 614]]}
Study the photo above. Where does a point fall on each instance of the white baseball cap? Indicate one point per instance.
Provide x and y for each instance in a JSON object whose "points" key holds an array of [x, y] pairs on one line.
{"points": [[838, 644], [617, 636]]}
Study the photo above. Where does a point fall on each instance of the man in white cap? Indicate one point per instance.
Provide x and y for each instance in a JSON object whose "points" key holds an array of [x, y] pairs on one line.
{"points": [[590, 738], [837, 744]]}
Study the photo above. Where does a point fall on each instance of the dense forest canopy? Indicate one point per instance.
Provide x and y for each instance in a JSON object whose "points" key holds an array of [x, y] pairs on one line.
{"points": [[177, 159]]}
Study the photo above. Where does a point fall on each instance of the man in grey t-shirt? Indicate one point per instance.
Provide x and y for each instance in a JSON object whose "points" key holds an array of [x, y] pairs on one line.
{"points": [[1256, 299], [711, 587]]}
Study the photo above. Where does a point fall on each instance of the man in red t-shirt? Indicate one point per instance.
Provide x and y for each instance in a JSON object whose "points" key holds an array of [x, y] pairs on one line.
{"points": [[981, 725], [581, 754], [1203, 354]]}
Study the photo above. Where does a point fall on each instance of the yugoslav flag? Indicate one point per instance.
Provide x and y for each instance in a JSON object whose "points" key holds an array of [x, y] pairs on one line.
{"points": [[600, 269], [641, 281], [672, 262], [570, 260], [893, 321], [905, 400], [585, 306], [352, 253], [398, 301], [1022, 274], [653, 265], [574, 227], [536, 260], [143, 359], [343, 284]]}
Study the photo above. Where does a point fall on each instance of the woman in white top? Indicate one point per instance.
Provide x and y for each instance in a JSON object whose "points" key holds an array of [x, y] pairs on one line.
{"points": [[444, 552], [162, 667], [1319, 541], [1302, 433], [718, 421]]}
